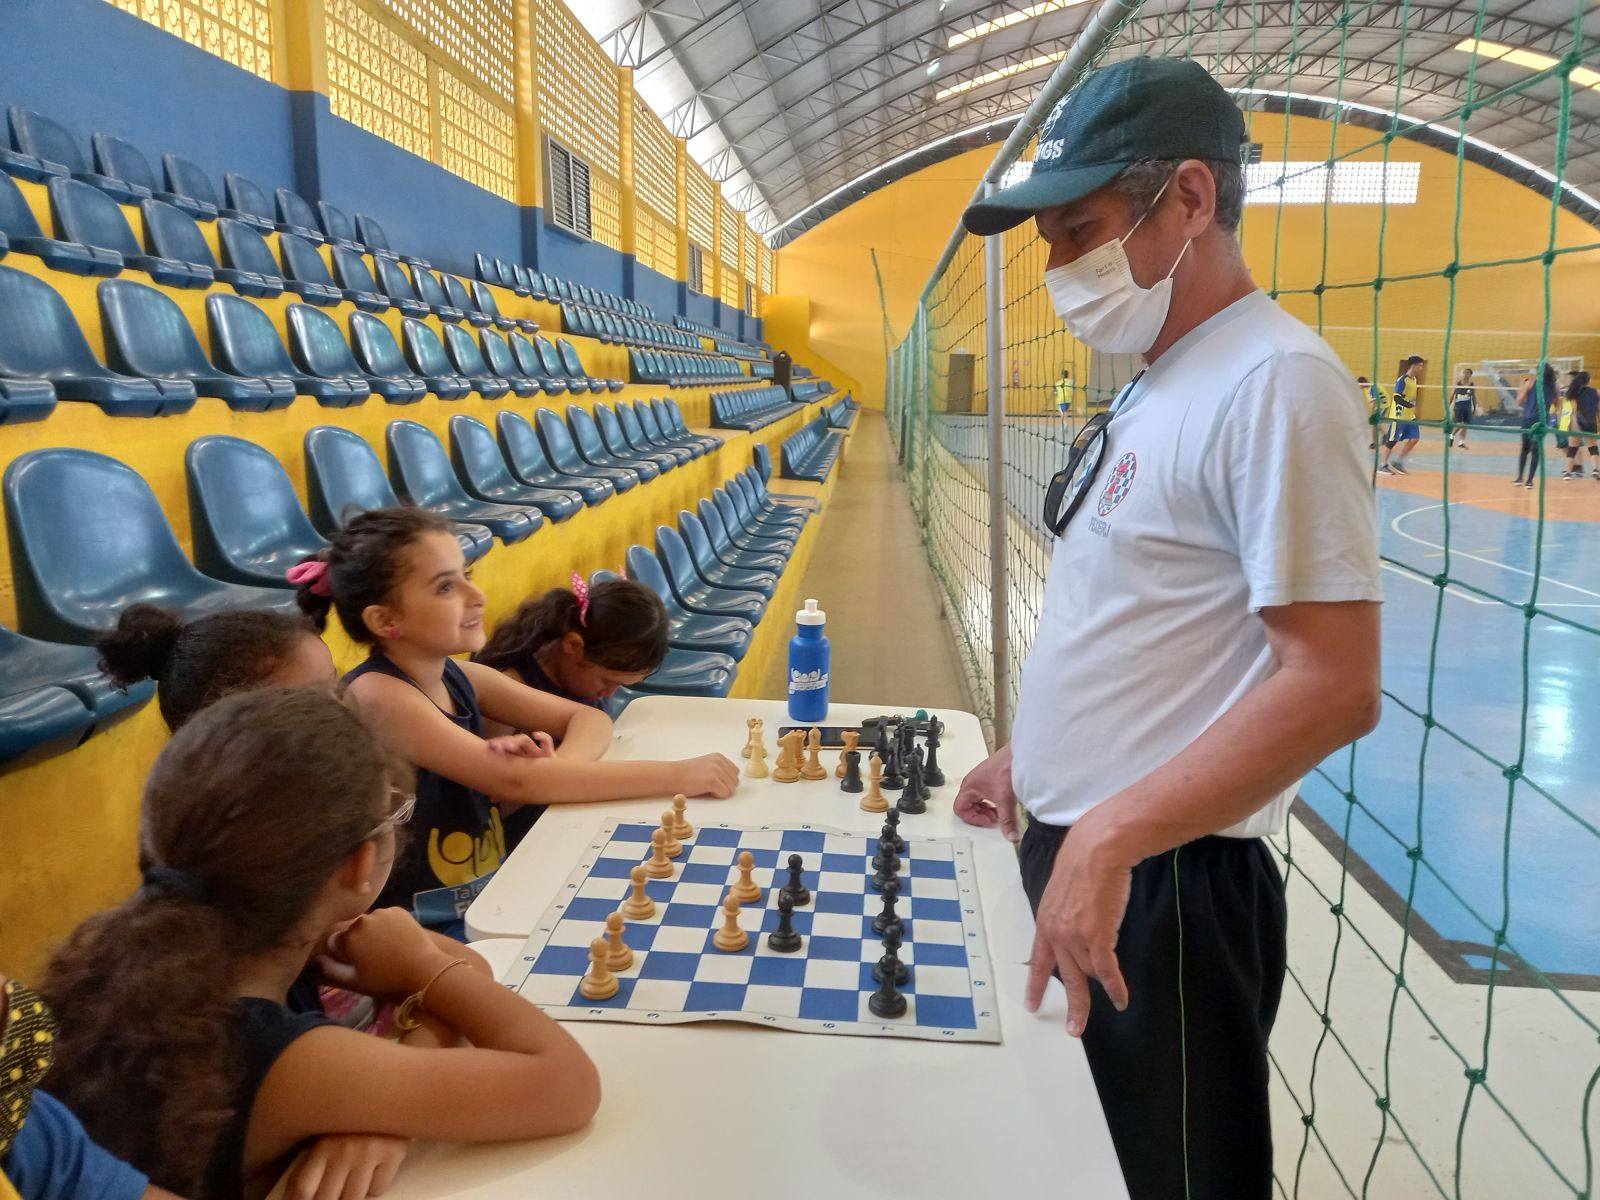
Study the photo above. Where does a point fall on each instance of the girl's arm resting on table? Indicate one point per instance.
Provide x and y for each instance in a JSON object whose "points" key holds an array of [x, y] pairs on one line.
{"points": [[433, 742], [584, 732]]}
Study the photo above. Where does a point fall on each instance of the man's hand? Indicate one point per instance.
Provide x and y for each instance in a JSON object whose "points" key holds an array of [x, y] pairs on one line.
{"points": [[349, 1166], [1077, 923], [986, 798]]}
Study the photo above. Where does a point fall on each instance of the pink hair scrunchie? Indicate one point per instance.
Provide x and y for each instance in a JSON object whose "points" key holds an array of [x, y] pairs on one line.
{"points": [[313, 574], [580, 589]]}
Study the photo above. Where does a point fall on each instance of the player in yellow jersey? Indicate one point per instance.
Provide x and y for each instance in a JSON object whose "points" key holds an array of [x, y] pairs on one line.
{"points": [[1403, 433]]}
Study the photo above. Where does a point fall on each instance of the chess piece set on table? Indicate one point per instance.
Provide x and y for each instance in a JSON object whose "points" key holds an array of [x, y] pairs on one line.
{"points": [[610, 954], [895, 762]]}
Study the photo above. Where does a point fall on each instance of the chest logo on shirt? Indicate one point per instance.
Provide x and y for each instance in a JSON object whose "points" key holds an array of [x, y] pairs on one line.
{"points": [[1118, 485]]}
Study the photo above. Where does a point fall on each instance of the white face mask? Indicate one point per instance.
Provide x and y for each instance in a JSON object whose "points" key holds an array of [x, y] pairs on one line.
{"points": [[1100, 302]]}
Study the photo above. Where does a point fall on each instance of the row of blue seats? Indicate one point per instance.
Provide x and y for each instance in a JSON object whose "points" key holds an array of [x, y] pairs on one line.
{"points": [[622, 330], [811, 452], [93, 237], [842, 412], [43, 149], [751, 408], [811, 390], [690, 325], [155, 364], [77, 565], [739, 350], [682, 368], [542, 285]]}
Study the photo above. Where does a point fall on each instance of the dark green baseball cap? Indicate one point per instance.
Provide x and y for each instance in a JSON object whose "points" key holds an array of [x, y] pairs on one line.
{"points": [[1125, 113]]}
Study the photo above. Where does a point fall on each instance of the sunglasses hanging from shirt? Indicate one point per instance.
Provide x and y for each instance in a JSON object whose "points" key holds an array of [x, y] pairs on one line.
{"points": [[1071, 484]]}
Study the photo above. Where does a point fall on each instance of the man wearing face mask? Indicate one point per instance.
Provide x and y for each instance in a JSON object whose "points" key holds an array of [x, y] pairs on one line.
{"points": [[1209, 632]]}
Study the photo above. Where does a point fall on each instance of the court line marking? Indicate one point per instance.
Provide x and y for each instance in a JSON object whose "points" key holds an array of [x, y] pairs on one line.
{"points": [[1394, 525]]}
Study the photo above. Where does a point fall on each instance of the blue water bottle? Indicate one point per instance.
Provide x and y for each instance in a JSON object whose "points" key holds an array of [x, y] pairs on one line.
{"points": [[808, 666]]}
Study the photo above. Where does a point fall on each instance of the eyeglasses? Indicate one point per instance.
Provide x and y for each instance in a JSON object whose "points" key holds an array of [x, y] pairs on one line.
{"points": [[1071, 484], [405, 803]]}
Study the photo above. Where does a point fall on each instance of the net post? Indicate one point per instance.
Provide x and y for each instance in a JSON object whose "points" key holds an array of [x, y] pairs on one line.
{"points": [[994, 327]]}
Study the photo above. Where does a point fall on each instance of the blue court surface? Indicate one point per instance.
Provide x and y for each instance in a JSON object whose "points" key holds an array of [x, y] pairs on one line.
{"points": [[1468, 817]]}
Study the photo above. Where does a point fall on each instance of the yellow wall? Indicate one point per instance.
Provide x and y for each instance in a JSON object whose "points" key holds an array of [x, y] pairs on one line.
{"points": [[907, 223], [1499, 312]]}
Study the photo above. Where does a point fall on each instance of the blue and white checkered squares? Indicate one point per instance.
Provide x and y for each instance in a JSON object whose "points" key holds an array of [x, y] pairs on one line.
{"points": [[677, 975]]}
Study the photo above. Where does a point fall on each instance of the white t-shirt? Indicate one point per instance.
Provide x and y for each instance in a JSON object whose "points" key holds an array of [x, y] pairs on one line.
{"points": [[1235, 477]]}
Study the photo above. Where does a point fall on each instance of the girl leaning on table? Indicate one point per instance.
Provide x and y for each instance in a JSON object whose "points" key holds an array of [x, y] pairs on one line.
{"points": [[398, 580], [270, 822]]}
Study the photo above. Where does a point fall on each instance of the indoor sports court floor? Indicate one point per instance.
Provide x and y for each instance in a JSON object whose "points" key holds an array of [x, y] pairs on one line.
{"points": [[1550, 898]]}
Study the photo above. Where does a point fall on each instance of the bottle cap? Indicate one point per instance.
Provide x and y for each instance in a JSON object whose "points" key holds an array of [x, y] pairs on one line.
{"points": [[810, 614]]}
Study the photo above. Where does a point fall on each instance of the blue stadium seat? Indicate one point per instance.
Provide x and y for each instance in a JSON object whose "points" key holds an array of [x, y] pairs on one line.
{"points": [[691, 673], [147, 334], [297, 217], [811, 453], [530, 462], [633, 432], [431, 292], [769, 506], [49, 141], [751, 408], [760, 513], [618, 446], [245, 342], [344, 477], [532, 364], [469, 361], [337, 227], [731, 537], [634, 429], [247, 523], [563, 454], [88, 216], [247, 202], [712, 569], [555, 369], [306, 274], [382, 361], [497, 353], [651, 422], [394, 284], [88, 539], [692, 631], [707, 553], [422, 475], [425, 353], [53, 697], [123, 160], [482, 469], [318, 348], [763, 460], [586, 436], [19, 231], [41, 344], [669, 415], [352, 274], [370, 234], [188, 182], [248, 256], [575, 368], [489, 307], [697, 593], [457, 295], [172, 234]]}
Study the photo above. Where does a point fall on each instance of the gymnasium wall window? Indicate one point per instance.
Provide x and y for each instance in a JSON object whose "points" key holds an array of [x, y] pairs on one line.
{"points": [[1311, 182], [377, 79], [697, 269], [567, 204], [239, 32]]}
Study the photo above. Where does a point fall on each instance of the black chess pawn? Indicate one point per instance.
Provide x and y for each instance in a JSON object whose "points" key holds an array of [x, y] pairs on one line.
{"points": [[784, 939], [891, 961], [891, 830], [888, 920], [887, 1001], [914, 799], [852, 772], [886, 861], [799, 895], [932, 774]]}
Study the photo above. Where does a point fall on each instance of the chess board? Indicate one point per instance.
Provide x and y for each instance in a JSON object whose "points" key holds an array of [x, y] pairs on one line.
{"points": [[678, 976]]}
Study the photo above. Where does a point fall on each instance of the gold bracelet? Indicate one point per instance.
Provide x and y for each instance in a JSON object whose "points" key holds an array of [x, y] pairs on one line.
{"points": [[406, 1018]]}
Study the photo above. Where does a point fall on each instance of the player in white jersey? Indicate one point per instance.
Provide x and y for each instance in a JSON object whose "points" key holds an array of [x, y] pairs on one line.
{"points": [[1209, 632]]}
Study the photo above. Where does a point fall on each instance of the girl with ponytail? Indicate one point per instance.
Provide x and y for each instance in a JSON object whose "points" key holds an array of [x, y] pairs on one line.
{"points": [[398, 581], [268, 827]]}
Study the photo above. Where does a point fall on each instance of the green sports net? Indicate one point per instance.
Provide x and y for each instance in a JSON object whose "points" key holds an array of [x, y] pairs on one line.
{"points": [[1440, 1026]]}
